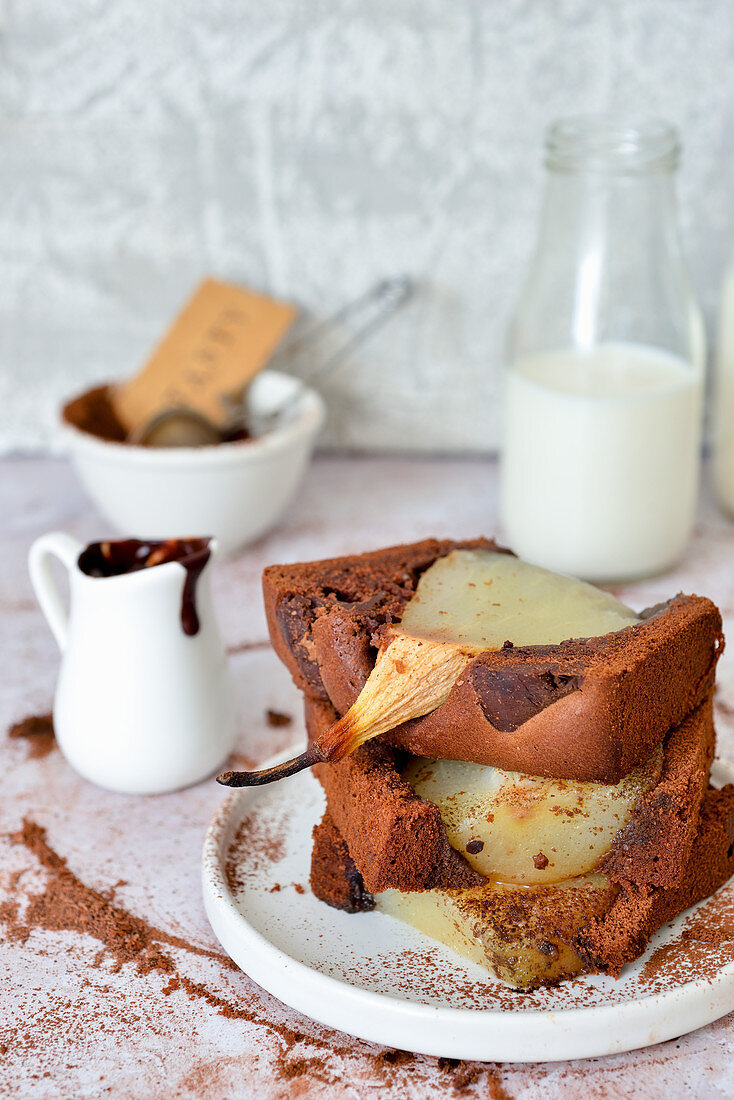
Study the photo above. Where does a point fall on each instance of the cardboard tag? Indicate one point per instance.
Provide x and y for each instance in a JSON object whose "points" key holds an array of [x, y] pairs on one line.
{"points": [[223, 336]]}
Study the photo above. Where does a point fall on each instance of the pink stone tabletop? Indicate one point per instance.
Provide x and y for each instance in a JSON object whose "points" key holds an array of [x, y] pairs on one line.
{"points": [[76, 1019]]}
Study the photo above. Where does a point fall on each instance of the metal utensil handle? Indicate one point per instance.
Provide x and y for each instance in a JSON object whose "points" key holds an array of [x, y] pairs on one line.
{"points": [[377, 305]]}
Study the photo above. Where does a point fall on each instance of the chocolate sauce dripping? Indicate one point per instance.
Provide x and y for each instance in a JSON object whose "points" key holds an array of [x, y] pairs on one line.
{"points": [[115, 558], [193, 565]]}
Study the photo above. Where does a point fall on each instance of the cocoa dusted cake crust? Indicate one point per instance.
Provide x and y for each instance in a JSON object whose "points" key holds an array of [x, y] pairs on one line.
{"points": [[334, 875], [395, 838], [620, 937], [587, 709]]}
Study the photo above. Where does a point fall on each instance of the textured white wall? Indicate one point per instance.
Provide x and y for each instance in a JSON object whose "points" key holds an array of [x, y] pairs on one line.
{"points": [[309, 147]]}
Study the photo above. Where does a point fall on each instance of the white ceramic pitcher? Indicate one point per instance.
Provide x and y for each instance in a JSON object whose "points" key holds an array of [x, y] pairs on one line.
{"points": [[141, 707]]}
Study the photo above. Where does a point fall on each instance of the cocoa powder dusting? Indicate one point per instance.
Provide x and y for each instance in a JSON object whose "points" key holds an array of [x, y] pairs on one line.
{"points": [[238, 762], [703, 946], [253, 845], [397, 1057], [68, 904], [245, 647], [37, 730], [290, 1067], [464, 1075]]}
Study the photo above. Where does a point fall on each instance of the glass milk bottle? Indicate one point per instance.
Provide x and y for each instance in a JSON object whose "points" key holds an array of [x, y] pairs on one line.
{"points": [[723, 418], [604, 386]]}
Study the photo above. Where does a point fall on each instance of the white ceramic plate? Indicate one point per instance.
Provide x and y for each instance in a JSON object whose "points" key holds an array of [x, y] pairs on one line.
{"points": [[374, 977]]}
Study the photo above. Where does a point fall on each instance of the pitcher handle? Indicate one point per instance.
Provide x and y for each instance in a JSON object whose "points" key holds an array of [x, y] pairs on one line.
{"points": [[67, 549]]}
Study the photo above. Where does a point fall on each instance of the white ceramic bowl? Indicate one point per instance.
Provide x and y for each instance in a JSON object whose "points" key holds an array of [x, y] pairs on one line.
{"points": [[233, 491]]}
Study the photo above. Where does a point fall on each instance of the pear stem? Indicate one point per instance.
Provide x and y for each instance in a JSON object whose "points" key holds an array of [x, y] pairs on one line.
{"points": [[411, 677], [307, 759]]}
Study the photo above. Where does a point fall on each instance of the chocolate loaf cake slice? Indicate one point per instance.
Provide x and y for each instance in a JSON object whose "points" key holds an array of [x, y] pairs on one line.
{"points": [[398, 840], [513, 761], [590, 709], [597, 930]]}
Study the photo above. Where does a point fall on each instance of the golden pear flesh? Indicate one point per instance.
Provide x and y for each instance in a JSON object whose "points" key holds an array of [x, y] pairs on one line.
{"points": [[466, 603], [522, 934], [529, 829]]}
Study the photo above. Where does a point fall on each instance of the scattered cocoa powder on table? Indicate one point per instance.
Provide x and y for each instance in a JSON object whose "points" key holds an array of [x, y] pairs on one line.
{"points": [[37, 730], [246, 647], [238, 761], [68, 904], [464, 1075]]}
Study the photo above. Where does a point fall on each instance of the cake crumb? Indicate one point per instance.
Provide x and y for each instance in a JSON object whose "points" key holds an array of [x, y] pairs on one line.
{"points": [[276, 718]]}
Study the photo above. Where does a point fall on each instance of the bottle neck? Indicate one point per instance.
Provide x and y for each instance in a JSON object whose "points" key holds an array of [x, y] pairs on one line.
{"points": [[606, 217], [608, 266]]}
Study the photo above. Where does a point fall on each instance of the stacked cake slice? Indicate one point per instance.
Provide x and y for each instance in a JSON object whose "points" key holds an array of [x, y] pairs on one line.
{"points": [[514, 762]]}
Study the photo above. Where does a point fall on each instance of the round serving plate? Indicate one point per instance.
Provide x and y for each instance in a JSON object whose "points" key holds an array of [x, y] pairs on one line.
{"points": [[378, 979]]}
